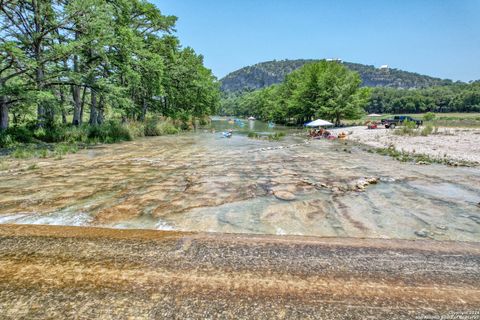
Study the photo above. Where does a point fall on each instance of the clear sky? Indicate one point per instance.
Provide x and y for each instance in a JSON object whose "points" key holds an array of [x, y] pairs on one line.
{"points": [[435, 37]]}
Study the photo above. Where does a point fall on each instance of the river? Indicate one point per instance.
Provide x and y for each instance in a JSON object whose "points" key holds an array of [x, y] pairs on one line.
{"points": [[203, 182]]}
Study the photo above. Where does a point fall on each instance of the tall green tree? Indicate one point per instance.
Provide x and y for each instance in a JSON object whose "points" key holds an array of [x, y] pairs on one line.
{"points": [[117, 58], [329, 90]]}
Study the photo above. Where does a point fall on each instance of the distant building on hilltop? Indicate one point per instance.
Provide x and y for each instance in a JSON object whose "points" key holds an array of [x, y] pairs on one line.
{"points": [[335, 59], [383, 67]]}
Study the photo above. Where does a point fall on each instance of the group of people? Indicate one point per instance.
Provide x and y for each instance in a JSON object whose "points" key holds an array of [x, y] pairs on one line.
{"points": [[319, 133], [323, 133]]}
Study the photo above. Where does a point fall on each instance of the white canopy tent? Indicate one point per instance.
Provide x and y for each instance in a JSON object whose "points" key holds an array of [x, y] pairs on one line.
{"points": [[373, 115], [319, 123]]}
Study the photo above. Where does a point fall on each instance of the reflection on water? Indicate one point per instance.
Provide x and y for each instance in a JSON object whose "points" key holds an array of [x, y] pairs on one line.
{"points": [[204, 182]]}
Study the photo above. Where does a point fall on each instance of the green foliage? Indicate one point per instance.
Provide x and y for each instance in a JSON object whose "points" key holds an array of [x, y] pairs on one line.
{"points": [[6, 140], [322, 89], [110, 132], [269, 73], [155, 127], [405, 156], [62, 149], [36, 142], [427, 130], [253, 135], [271, 137], [12, 136], [23, 153], [328, 90], [106, 59], [407, 128], [429, 116], [164, 128], [276, 136], [458, 97], [388, 95]]}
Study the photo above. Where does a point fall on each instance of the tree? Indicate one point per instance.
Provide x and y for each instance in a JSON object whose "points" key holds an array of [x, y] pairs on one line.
{"points": [[330, 90], [116, 57], [318, 89]]}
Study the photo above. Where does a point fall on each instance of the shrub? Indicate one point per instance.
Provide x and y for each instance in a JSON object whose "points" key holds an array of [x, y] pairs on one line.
{"points": [[429, 116], [136, 129], [40, 133], [253, 135], [427, 130], [408, 128], [74, 134], [110, 132], [6, 140], [23, 153], [167, 127], [276, 136], [19, 134], [151, 128], [63, 149]]}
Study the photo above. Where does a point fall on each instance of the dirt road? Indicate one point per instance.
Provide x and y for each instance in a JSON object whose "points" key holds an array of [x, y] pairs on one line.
{"points": [[84, 273]]}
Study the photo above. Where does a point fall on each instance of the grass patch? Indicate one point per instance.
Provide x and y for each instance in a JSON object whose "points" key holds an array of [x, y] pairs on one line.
{"points": [[276, 136], [409, 128], [270, 137], [62, 149], [404, 156], [31, 142], [23, 152], [427, 130], [253, 135]]}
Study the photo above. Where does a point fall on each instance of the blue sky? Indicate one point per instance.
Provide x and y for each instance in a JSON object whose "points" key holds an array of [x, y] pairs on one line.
{"points": [[434, 37]]}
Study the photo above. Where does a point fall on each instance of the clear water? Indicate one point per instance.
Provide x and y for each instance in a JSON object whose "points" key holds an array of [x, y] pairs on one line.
{"points": [[203, 182]]}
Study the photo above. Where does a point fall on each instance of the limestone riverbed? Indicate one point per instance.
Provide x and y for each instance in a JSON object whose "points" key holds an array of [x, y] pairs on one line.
{"points": [[205, 183]]}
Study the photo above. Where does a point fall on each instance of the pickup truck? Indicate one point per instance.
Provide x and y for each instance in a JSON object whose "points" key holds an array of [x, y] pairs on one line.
{"points": [[398, 121]]}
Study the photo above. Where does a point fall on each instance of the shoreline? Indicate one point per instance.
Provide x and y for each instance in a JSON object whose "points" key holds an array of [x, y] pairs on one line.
{"points": [[450, 146]]}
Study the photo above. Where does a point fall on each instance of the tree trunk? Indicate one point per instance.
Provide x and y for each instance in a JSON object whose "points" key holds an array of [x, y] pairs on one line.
{"points": [[38, 50], [76, 105], [62, 107], [93, 109], [62, 96], [101, 108], [82, 104], [144, 109], [3, 113], [40, 106], [337, 120], [76, 94]]}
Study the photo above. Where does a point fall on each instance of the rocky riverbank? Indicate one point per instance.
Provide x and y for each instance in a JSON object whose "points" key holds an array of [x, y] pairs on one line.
{"points": [[452, 144]]}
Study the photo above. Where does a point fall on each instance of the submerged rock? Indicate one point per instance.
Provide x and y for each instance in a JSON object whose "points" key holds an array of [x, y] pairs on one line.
{"points": [[362, 184], [284, 195], [422, 233]]}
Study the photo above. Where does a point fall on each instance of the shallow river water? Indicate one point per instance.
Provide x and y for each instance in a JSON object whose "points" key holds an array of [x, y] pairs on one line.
{"points": [[203, 182]]}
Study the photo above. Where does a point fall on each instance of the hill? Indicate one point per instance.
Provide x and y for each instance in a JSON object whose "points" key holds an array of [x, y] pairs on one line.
{"points": [[271, 72]]}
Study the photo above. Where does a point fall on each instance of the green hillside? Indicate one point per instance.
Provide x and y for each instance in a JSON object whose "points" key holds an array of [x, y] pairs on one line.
{"points": [[264, 74]]}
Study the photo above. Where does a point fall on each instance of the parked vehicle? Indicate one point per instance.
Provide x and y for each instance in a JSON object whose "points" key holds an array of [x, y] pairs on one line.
{"points": [[399, 120]]}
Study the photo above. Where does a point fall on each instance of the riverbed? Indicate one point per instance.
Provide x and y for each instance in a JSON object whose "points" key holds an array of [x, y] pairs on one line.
{"points": [[203, 182]]}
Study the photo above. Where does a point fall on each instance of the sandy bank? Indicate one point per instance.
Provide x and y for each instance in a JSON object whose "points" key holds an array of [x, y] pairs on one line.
{"points": [[457, 144], [85, 273]]}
